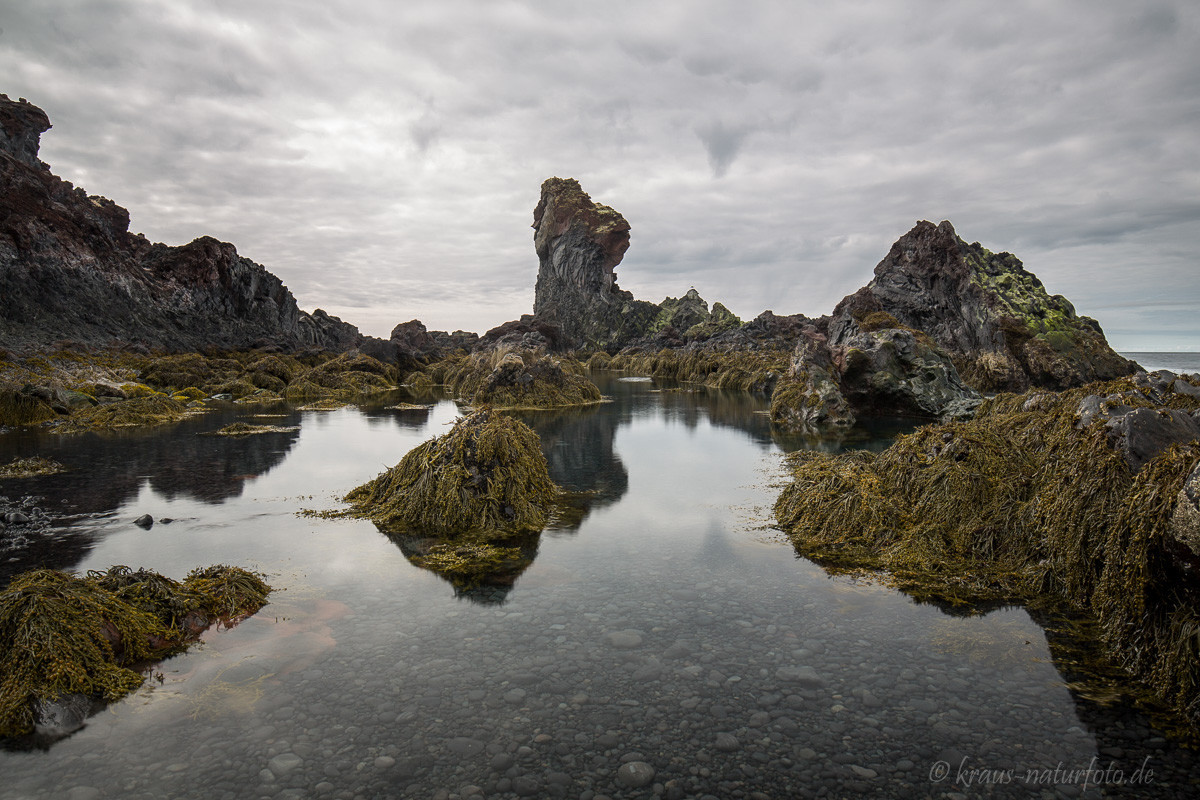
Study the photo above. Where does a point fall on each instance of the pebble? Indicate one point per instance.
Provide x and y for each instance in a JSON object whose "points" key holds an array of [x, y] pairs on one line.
{"points": [[624, 640], [635, 774]]}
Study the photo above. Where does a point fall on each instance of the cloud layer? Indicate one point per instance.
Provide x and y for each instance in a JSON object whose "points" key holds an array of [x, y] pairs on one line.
{"points": [[384, 159]]}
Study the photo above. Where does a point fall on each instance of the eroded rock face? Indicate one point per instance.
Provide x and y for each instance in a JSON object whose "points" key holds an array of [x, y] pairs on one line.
{"points": [[887, 371], [994, 318], [579, 243], [70, 270]]}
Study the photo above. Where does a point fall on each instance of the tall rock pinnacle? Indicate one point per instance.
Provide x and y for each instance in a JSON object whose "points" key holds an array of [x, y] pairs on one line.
{"points": [[579, 243]]}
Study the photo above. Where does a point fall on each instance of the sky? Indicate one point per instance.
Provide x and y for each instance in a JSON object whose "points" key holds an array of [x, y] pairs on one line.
{"points": [[384, 158]]}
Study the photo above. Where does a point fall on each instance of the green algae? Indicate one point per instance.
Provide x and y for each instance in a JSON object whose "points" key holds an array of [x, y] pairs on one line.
{"points": [[61, 634]]}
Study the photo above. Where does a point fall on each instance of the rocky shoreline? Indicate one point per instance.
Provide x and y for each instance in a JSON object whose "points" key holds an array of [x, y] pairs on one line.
{"points": [[1085, 486]]}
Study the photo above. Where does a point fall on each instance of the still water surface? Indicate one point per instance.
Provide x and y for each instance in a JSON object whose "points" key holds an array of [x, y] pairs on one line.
{"points": [[669, 627]]}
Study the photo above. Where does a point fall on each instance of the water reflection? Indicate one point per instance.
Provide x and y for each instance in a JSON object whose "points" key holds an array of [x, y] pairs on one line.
{"points": [[488, 585], [105, 471]]}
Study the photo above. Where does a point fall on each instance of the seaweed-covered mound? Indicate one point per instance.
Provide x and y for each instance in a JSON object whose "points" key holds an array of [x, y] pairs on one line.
{"points": [[487, 475], [1080, 494], [756, 371], [29, 467], [349, 375], [138, 412], [520, 380], [63, 635]]}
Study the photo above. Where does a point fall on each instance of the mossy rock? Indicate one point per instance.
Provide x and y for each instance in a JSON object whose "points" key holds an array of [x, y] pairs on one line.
{"points": [[62, 635], [187, 369], [486, 475]]}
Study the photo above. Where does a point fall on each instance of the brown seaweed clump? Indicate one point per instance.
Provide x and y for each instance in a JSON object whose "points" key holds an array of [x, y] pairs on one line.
{"points": [[487, 477], [63, 635], [1030, 499], [746, 370], [520, 380], [138, 412], [30, 467]]}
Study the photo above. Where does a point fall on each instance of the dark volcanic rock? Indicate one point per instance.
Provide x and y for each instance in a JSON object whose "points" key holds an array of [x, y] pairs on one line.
{"points": [[71, 270], [579, 243], [993, 317], [526, 333]]}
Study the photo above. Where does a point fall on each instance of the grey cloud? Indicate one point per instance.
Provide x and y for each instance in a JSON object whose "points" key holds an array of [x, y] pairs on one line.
{"points": [[385, 158]]}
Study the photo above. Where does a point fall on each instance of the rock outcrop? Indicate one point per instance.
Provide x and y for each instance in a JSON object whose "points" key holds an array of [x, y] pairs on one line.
{"points": [[70, 270], [995, 319], [579, 243]]}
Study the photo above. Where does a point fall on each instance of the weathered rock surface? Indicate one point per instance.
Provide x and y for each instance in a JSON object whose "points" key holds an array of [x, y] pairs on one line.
{"points": [[71, 270], [888, 371], [1004, 331], [579, 243], [691, 318]]}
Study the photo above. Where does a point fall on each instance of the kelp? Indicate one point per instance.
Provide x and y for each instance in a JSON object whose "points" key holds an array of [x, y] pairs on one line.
{"points": [[30, 467], [61, 634], [138, 412], [18, 408], [487, 474], [246, 429], [1017, 504], [753, 371], [520, 380]]}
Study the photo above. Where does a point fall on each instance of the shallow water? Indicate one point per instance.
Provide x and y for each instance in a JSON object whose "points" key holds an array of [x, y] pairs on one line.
{"points": [[669, 626]]}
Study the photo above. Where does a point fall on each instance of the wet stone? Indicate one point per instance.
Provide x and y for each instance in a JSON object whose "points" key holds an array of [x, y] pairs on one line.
{"points": [[727, 743], [635, 774], [624, 640]]}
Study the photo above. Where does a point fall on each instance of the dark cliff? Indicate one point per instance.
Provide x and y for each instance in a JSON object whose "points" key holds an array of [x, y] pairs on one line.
{"points": [[71, 271]]}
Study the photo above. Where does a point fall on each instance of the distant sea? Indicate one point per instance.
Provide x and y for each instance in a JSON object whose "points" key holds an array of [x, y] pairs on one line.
{"points": [[1176, 362]]}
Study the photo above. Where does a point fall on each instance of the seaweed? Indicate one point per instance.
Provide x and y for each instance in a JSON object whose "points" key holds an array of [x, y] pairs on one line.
{"points": [[487, 474], [520, 380], [140, 411], [1023, 502], [61, 634], [30, 467], [752, 371], [18, 408], [246, 429]]}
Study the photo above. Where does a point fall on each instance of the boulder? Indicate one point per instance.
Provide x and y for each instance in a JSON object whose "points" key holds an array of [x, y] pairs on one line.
{"points": [[993, 317]]}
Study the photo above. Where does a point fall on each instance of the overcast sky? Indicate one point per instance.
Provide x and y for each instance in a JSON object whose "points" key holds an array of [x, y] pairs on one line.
{"points": [[384, 158]]}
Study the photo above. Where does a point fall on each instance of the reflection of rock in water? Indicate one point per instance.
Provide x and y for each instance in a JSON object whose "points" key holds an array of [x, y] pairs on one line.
{"points": [[578, 445], [744, 411], [487, 584], [106, 470]]}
